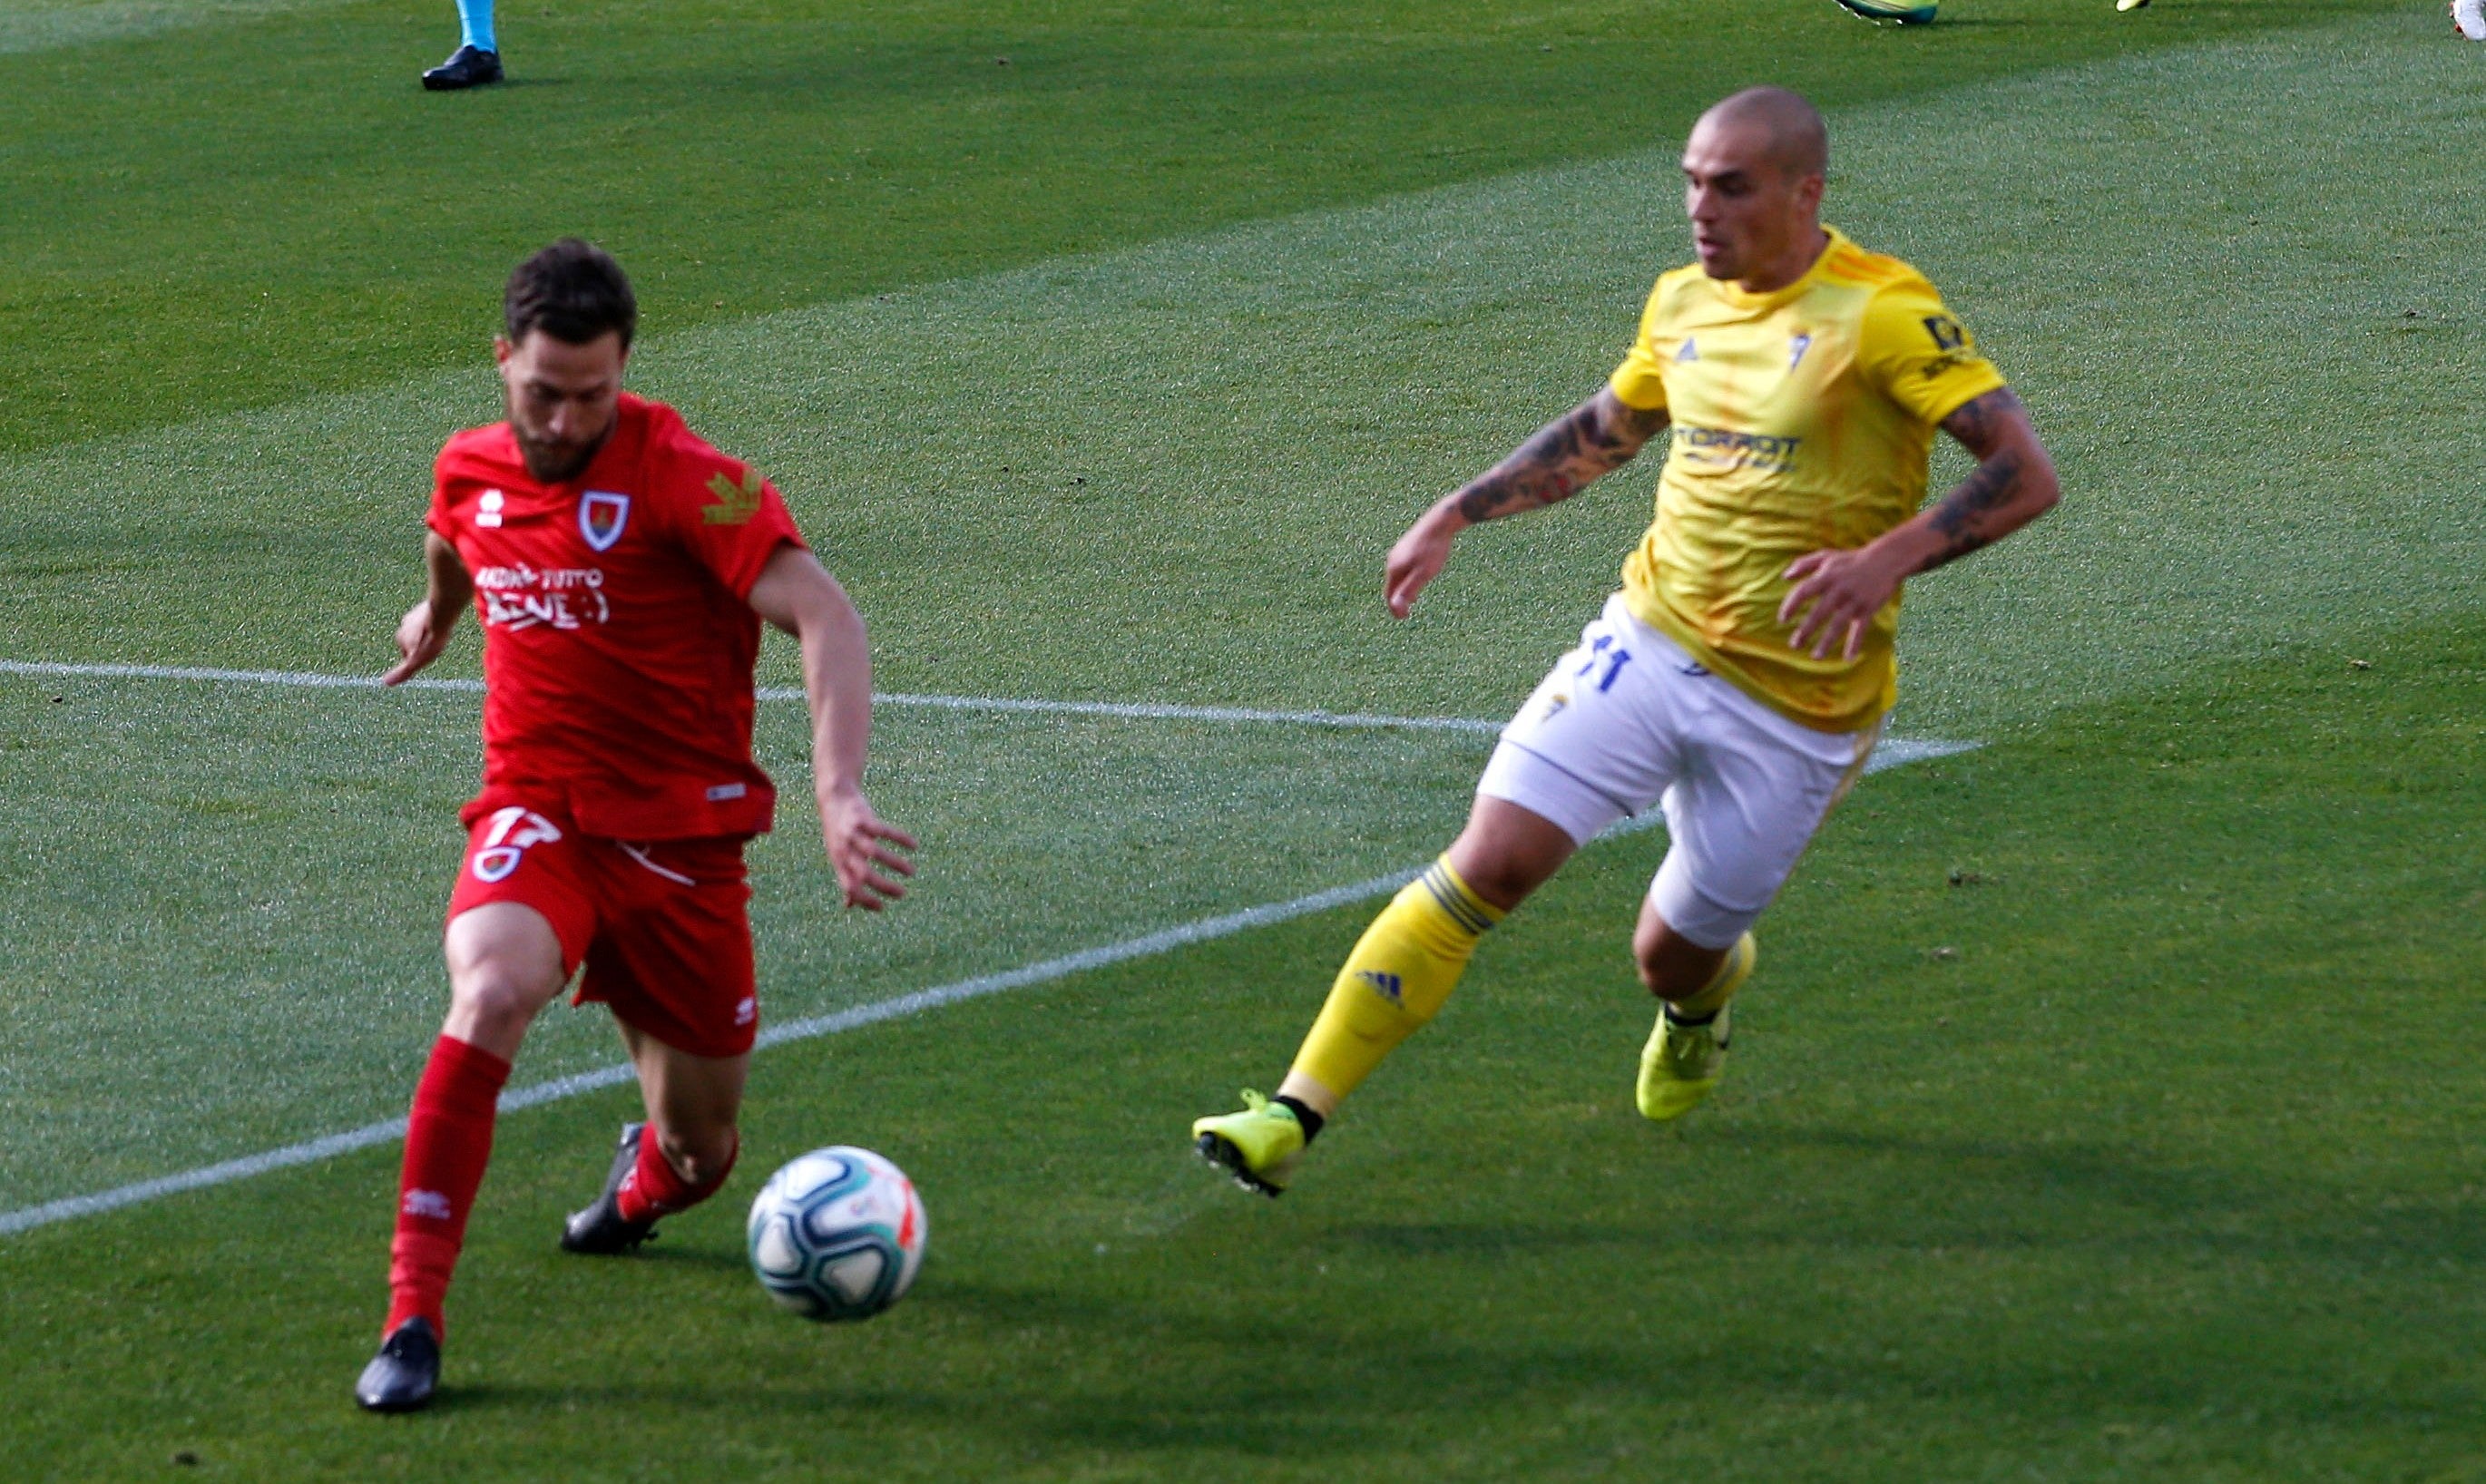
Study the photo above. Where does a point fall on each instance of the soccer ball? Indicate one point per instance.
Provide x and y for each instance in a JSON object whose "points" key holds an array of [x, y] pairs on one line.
{"points": [[837, 1234]]}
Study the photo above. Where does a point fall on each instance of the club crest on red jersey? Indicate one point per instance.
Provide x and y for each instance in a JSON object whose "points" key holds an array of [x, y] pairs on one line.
{"points": [[602, 515]]}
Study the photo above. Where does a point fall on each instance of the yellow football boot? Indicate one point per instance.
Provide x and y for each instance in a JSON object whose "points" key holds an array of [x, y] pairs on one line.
{"points": [[1257, 1146], [1682, 1063]]}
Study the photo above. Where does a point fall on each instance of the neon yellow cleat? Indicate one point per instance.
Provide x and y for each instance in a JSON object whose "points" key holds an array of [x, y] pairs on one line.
{"points": [[1682, 1063], [2130, 4], [1257, 1146]]}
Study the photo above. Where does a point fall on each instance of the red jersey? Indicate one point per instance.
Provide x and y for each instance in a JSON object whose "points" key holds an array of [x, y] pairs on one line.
{"points": [[618, 641]]}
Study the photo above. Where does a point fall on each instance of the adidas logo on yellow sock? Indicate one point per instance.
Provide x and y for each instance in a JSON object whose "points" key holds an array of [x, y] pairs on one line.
{"points": [[1389, 986]]}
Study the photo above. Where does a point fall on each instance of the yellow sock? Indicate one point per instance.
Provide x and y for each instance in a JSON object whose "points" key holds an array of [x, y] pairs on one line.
{"points": [[1402, 968], [1733, 970]]}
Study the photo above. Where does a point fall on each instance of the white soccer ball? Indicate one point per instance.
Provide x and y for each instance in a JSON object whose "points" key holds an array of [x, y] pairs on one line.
{"points": [[837, 1234]]}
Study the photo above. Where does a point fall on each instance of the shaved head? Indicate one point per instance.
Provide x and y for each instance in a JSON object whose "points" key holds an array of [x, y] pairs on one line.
{"points": [[1788, 128], [1753, 175]]}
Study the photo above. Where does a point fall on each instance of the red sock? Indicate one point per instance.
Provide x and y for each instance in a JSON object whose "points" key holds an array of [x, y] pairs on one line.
{"points": [[653, 1189], [448, 1140]]}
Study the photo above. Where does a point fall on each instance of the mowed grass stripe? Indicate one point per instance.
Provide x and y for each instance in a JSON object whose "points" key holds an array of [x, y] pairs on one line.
{"points": [[245, 209], [225, 926], [1208, 447], [1894, 752], [2158, 1171], [2112, 1189], [1172, 471], [390, 1130], [52, 27]]}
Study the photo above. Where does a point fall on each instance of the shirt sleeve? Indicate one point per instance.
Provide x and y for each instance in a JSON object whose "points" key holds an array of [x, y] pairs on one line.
{"points": [[1641, 380], [730, 519], [1916, 352], [436, 518]]}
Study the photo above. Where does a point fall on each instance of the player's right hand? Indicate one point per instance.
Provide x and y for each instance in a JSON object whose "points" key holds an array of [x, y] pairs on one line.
{"points": [[419, 642], [860, 850], [1416, 561]]}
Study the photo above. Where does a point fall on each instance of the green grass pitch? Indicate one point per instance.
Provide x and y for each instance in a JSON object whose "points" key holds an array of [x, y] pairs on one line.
{"points": [[2103, 1110]]}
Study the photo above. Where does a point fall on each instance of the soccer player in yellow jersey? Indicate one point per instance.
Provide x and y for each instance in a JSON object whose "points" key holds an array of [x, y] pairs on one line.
{"points": [[1740, 678]]}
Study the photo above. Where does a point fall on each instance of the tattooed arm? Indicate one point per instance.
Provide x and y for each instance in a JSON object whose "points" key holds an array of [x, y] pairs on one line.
{"points": [[1595, 438], [1839, 592]]}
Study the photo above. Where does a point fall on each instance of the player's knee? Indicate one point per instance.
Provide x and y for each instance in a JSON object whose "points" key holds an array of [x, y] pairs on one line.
{"points": [[1671, 967], [1501, 877], [493, 999], [1654, 970], [1506, 852], [1499, 883], [1652, 974], [1644, 954]]}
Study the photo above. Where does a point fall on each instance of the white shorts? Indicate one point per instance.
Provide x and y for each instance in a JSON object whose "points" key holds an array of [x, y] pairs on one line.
{"points": [[1629, 719]]}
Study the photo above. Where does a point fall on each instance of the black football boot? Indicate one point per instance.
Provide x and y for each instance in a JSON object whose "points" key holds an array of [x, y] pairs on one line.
{"points": [[600, 1230], [403, 1375], [468, 67]]}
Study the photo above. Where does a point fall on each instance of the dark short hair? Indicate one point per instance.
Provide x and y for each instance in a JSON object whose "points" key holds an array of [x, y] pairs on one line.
{"points": [[573, 291]]}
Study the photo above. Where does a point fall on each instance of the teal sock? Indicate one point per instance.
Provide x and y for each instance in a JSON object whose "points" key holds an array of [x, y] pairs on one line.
{"points": [[476, 17]]}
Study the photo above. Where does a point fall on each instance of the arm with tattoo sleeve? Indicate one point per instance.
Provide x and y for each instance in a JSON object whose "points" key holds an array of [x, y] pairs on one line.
{"points": [[1838, 593], [2013, 484], [1563, 457]]}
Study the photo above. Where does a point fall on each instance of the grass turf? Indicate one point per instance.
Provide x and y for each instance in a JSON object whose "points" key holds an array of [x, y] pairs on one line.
{"points": [[2174, 1187], [1168, 473], [2225, 1245], [1029, 478], [286, 855], [255, 204]]}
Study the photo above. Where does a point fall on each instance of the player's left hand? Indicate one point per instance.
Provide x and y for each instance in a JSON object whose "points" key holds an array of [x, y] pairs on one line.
{"points": [[860, 849], [1417, 560], [1838, 593]]}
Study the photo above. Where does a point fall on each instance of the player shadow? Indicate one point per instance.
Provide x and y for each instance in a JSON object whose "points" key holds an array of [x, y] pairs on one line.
{"points": [[1415, 1239], [2215, 1210], [1252, 1397], [1373, 1387], [538, 1397], [474, 1398], [715, 1259]]}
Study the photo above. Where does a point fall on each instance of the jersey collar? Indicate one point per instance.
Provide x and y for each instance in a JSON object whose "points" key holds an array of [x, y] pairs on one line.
{"points": [[1734, 295]]}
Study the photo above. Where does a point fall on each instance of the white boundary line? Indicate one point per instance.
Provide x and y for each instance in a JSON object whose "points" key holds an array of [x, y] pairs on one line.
{"points": [[1150, 710], [1141, 710], [1891, 755], [1892, 752], [389, 1130]]}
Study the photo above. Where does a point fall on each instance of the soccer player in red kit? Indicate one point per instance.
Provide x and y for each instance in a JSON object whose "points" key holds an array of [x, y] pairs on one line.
{"points": [[621, 569]]}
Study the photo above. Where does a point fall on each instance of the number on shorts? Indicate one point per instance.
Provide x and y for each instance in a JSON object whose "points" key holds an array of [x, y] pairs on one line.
{"points": [[1615, 658], [513, 828]]}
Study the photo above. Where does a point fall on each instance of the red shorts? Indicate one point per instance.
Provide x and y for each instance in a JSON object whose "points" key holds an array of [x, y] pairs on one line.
{"points": [[664, 928]]}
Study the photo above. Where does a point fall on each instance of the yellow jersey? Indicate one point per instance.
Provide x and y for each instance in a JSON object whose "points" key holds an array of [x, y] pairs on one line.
{"points": [[1802, 420]]}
